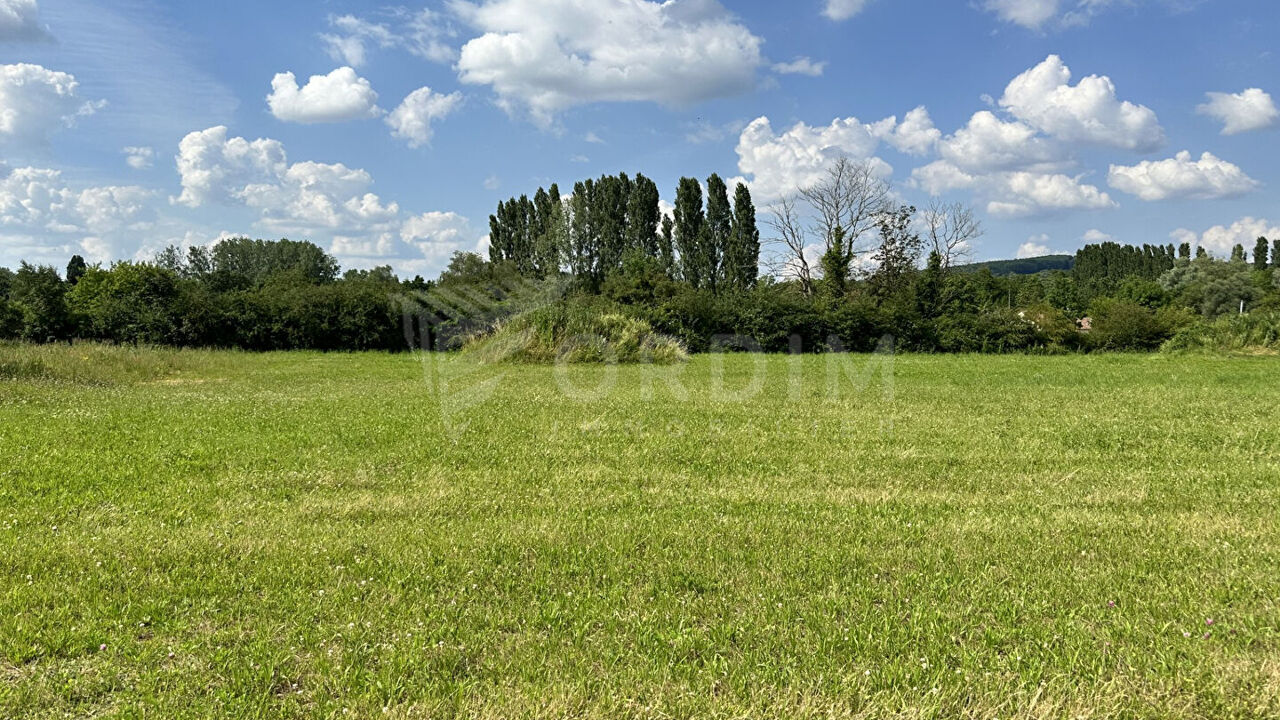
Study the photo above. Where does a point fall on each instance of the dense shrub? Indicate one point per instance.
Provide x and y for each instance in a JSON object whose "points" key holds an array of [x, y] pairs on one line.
{"points": [[580, 331], [1126, 325], [1232, 333]]}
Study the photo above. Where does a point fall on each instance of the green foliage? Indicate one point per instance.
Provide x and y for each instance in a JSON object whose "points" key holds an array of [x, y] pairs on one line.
{"points": [[1261, 252], [39, 295], [742, 254], [76, 269], [1126, 325], [131, 303], [1253, 333], [1211, 287], [580, 331], [1026, 266], [690, 228]]}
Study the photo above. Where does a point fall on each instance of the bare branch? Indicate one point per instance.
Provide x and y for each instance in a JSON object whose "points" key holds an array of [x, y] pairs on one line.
{"points": [[950, 229], [790, 236]]}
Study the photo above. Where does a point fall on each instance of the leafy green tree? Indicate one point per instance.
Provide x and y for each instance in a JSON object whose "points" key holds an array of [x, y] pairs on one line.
{"points": [[899, 251], [76, 269], [835, 264], [1261, 254], [245, 263], [40, 296], [930, 284], [1275, 253], [1184, 251], [742, 254], [719, 232], [689, 229], [1238, 254], [666, 246], [644, 216], [583, 237], [131, 302]]}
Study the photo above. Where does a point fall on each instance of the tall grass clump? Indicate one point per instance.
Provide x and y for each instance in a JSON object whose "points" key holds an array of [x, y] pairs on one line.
{"points": [[574, 332], [90, 363], [1257, 332]]}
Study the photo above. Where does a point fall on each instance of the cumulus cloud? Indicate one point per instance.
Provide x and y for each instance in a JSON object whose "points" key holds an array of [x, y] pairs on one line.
{"points": [[139, 158], [20, 21], [1220, 239], [423, 33], [412, 120], [1087, 112], [801, 66], [35, 101], [36, 198], [799, 157], [1024, 194], [1035, 246], [915, 135], [1096, 236], [544, 56], [1208, 178], [1241, 112], [309, 199], [843, 9], [341, 95], [988, 144]]}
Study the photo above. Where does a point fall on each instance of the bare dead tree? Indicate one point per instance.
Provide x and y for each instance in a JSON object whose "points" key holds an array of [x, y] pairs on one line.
{"points": [[790, 235], [950, 230], [852, 198], [844, 208]]}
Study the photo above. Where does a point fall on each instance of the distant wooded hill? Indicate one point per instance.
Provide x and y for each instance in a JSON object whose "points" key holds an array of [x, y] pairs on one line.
{"points": [[1027, 266]]}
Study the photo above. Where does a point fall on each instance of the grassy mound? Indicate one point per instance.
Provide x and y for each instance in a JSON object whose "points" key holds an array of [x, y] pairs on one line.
{"points": [[574, 333], [1259, 332]]}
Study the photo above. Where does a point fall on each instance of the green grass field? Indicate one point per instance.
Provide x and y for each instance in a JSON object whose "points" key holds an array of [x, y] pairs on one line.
{"points": [[196, 535]]}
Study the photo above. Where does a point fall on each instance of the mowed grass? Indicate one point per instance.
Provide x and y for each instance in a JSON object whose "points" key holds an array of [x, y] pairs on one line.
{"points": [[307, 535]]}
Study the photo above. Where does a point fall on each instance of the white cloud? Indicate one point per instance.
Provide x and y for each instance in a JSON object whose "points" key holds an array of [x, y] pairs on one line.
{"points": [[1220, 239], [1241, 112], [312, 200], [594, 139], [1024, 194], [140, 158], [1181, 177], [781, 163], [1096, 236], [1035, 246], [801, 66], [915, 135], [843, 9], [35, 101], [493, 182], [39, 202], [412, 120], [20, 21], [548, 55], [422, 33], [340, 95], [1031, 14], [1036, 14], [988, 144], [1088, 112]]}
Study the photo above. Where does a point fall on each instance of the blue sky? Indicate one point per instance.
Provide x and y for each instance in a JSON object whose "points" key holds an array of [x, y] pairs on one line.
{"points": [[128, 125]]}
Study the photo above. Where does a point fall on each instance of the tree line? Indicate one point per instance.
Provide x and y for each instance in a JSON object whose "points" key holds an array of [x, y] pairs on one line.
{"points": [[589, 235], [840, 265]]}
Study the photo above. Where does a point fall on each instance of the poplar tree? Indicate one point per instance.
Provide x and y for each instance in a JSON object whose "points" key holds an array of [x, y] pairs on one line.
{"points": [[643, 217], [719, 230], [1261, 252], [742, 257], [689, 222]]}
